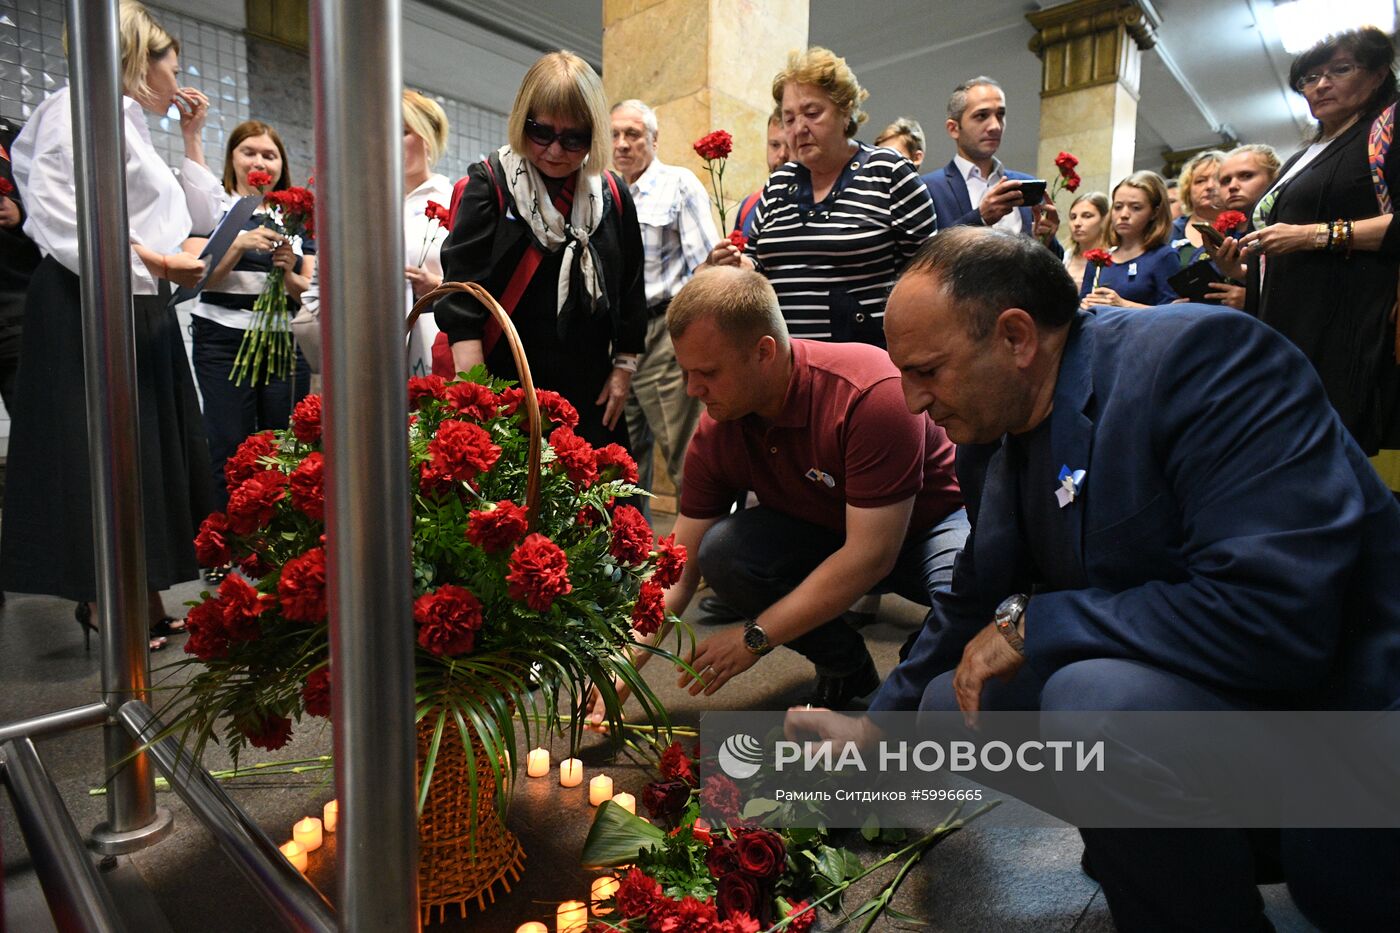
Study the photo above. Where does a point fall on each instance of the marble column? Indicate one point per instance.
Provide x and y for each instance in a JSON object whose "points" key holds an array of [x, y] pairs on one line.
{"points": [[1090, 52], [703, 65]]}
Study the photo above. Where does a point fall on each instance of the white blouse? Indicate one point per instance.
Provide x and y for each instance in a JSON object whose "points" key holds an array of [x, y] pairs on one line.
{"points": [[161, 209], [422, 246]]}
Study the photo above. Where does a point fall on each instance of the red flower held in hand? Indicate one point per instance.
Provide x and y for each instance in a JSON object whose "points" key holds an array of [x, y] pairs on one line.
{"points": [[1099, 257], [308, 486], [738, 239], [211, 546], [249, 458], [670, 562], [254, 502], [1072, 182], [1227, 221], [257, 178], [449, 618], [473, 400], [716, 145], [497, 527], [317, 693], [539, 573], [7, 188], [461, 450], [435, 212], [631, 538], [1066, 163], [302, 587], [306, 419], [269, 731], [576, 455]]}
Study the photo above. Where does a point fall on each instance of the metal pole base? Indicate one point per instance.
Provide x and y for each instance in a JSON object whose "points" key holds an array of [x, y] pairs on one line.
{"points": [[107, 842]]}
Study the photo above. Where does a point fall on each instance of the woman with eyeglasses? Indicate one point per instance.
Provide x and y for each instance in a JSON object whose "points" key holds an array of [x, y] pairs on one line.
{"points": [[554, 237], [1328, 253]]}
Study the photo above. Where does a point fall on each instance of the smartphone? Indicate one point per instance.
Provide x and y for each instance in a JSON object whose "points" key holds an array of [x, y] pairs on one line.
{"points": [[1032, 191], [1210, 233]]}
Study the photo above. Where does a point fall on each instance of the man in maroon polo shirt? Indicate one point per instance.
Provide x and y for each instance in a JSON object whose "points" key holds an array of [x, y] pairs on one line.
{"points": [[855, 493]]}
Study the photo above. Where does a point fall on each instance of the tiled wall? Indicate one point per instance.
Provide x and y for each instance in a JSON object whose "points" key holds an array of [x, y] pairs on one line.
{"points": [[474, 132]]}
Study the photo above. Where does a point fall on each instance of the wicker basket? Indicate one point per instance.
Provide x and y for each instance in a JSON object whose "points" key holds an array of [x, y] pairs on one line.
{"points": [[455, 864]]}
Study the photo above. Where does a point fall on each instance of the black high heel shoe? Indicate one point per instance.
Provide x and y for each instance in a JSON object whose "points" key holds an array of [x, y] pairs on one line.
{"points": [[83, 614]]}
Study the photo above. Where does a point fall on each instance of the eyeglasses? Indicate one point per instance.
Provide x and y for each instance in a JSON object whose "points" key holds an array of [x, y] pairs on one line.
{"points": [[1333, 73], [542, 134]]}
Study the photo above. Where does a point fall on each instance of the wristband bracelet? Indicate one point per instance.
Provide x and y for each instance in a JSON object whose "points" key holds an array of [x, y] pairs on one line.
{"points": [[628, 362]]}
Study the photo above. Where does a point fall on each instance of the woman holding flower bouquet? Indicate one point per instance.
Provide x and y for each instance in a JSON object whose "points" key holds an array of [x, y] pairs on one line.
{"points": [[47, 543], [255, 163], [550, 233]]}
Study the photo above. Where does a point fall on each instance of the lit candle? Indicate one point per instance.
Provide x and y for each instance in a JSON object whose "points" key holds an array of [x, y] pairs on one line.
{"points": [[295, 854], [329, 814], [533, 926], [572, 917], [603, 888], [599, 789], [307, 834], [537, 765], [626, 801], [570, 772]]}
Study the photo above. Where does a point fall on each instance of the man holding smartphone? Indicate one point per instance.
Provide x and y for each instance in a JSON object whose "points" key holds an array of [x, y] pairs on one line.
{"points": [[975, 188]]}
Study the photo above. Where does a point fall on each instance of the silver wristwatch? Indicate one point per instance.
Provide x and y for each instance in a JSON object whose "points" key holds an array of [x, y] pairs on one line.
{"points": [[1007, 619]]}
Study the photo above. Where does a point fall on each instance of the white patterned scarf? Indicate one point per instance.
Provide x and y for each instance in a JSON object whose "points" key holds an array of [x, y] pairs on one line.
{"points": [[551, 231]]}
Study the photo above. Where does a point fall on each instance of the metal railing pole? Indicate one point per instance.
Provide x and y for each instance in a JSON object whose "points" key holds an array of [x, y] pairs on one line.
{"points": [[359, 175], [99, 152], [60, 721]]}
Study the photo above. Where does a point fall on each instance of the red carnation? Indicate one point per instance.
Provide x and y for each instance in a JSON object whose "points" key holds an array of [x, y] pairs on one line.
{"points": [[268, 731], [205, 625], [7, 188], [1227, 221], [316, 693], [211, 547], [670, 562], [1099, 257], [1066, 163], [431, 482], [449, 618], [631, 540], [248, 458], [302, 587], [739, 923], [720, 796], [306, 419], [676, 765], [739, 893], [637, 893], [716, 145], [242, 605], [539, 573], [254, 567], [689, 915], [425, 387], [649, 612], [556, 410], [473, 399], [614, 462], [762, 853], [436, 212], [309, 486], [1072, 182], [803, 916], [738, 239], [497, 527], [576, 455], [257, 178], [461, 450], [252, 505]]}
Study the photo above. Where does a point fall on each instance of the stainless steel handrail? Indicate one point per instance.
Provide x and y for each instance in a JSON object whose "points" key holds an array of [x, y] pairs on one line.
{"points": [[60, 721]]}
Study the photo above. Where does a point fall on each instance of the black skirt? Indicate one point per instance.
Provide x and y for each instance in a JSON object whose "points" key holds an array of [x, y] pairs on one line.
{"points": [[46, 536]]}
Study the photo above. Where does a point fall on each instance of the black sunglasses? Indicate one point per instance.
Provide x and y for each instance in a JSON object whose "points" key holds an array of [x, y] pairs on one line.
{"points": [[542, 134]]}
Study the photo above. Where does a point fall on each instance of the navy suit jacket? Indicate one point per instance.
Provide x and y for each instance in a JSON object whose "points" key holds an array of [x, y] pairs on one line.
{"points": [[954, 205], [1229, 529]]}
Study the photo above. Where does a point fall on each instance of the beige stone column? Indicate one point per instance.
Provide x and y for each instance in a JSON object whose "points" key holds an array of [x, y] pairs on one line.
{"points": [[703, 65], [1090, 52]]}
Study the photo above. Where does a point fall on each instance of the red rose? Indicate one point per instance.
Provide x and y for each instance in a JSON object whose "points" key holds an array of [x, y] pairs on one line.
{"points": [[242, 605], [649, 612], [436, 212], [637, 893], [1227, 221], [539, 573], [722, 859], [670, 562], [556, 410], [211, 546], [302, 587], [316, 693], [205, 625], [473, 400], [1072, 182], [461, 450], [676, 765], [449, 618], [309, 486], [716, 145], [738, 239], [252, 505], [247, 459], [425, 387], [762, 853], [631, 536], [738, 894], [497, 527], [1066, 163], [720, 796], [576, 455], [802, 916], [665, 800], [614, 462], [257, 178], [1099, 257], [306, 419], [267, 731]]}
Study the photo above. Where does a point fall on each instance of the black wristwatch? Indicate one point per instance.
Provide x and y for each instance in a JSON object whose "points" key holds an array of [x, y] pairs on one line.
{"points": [[756, 639], [1007, 619]]}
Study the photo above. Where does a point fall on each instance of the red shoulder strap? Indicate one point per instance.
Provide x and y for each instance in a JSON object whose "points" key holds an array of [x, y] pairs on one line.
{"points": [[746, 208], [617, 198]]}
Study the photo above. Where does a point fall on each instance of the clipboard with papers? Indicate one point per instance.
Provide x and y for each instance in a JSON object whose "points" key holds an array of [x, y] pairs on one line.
{"points": [[228, 230]]}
